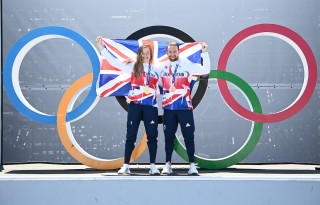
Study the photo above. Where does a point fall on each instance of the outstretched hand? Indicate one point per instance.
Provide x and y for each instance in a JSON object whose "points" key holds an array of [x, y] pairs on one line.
{"points": [[127, 61], [99, 43], [204, 47]]}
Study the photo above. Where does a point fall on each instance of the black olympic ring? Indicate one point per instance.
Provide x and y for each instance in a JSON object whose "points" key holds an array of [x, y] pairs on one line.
{"points": [[203, 83]]}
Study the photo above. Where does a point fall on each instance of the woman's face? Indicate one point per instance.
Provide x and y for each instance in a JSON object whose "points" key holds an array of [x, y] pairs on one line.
{"points": [[146, 55]]}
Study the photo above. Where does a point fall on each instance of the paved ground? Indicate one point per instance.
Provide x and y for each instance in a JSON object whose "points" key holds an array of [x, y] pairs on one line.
{"points": [[265, 172]]}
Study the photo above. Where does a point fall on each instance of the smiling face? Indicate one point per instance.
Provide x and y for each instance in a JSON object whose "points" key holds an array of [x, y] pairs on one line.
{"points": [[146, 55], [173, 52]]}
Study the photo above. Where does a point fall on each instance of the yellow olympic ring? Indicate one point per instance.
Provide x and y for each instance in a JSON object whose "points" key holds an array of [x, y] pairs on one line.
{"points": [[71, 146]]}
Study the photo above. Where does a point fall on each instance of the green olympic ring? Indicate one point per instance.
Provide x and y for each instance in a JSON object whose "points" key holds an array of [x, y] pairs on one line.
{"points": [[250, 143]]}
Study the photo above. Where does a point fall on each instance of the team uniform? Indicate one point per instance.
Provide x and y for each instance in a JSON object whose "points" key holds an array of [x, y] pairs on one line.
{"points": [[143, 105], [176, 101]]}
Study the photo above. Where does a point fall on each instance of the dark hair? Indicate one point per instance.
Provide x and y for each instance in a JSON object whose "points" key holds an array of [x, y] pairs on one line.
{"points": [[173, 44], [139, 62]]}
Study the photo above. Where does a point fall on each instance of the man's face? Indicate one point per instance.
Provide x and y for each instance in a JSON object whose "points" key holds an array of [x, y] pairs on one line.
{"points": [[173, 53]]}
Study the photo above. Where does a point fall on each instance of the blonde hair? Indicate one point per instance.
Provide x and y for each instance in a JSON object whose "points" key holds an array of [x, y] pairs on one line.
{"points": [[172, 44]]}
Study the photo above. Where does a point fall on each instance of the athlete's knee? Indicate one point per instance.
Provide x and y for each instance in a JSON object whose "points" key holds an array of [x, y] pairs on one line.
{"points": [[131, 139], [152, 140], [188, 138]]}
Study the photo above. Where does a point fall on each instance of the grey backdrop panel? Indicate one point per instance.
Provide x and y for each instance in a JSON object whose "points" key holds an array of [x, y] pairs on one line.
{"points": [[1, 89], [269, 65]]}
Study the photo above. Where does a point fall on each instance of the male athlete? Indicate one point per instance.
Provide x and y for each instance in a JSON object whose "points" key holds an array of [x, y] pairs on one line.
{"points": [[176, 75]]}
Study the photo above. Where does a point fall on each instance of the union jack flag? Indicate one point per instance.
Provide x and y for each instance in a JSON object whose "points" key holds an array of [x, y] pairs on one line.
{"points": [[115, 80]]}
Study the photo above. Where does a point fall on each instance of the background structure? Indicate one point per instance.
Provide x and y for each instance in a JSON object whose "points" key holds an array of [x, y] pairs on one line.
{"points": [[269, 65]]}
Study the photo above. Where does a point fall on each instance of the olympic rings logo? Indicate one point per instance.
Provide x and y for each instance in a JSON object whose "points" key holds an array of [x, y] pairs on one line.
{"points": [[66, 114]]}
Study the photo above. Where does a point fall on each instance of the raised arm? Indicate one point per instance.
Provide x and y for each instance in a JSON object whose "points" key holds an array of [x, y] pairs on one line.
{"points": [[99, 43], [126, 66], [197, 69]]}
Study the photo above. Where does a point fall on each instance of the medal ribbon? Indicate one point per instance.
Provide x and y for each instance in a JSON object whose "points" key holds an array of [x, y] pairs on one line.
{"points": [[174, 74], [148, 78]]}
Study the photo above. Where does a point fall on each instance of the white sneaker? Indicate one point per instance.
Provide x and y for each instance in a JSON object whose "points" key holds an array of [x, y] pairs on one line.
{"points": [[154, 170], [124, 169], [166, 169], [193, 170]]}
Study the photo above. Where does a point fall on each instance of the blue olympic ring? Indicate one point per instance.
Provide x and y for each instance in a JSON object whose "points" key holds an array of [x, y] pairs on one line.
{"points": [[15, 57], [19, 50]]}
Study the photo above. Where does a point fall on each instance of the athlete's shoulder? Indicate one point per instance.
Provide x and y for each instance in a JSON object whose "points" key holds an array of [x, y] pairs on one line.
{"points": [[156, 68], [163, 66], [185, 61]]}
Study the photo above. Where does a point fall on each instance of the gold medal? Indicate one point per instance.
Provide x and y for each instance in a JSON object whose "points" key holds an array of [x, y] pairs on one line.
{"points": [[147, 91], [172, 89]]}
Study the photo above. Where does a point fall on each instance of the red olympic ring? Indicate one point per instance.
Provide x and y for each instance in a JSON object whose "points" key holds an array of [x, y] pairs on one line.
{"points": [[63, 121], [299, 44]]}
